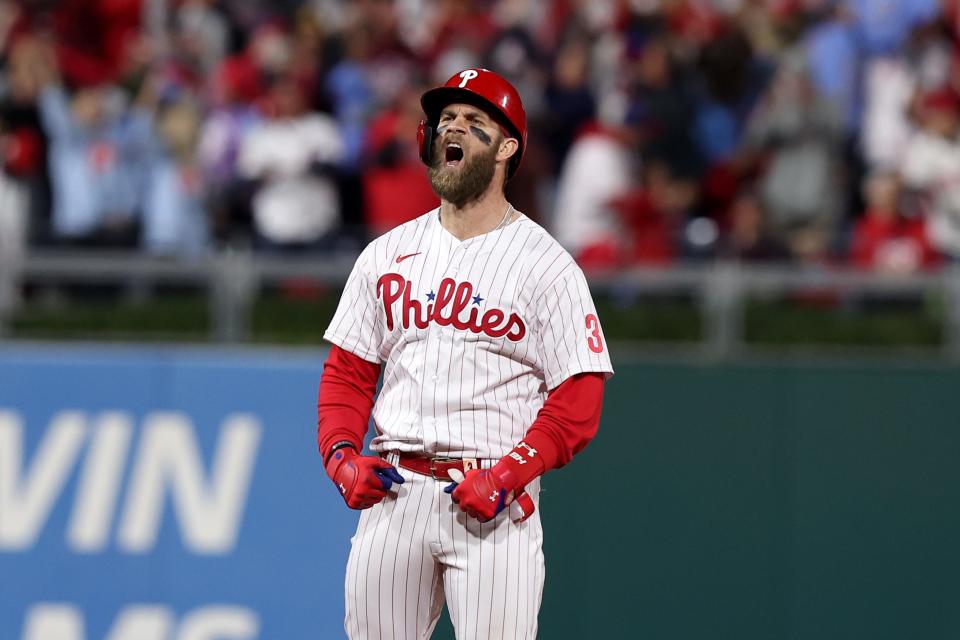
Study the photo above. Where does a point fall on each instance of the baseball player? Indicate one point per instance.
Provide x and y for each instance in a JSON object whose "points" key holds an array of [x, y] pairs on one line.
{"points": [[493, 363]]}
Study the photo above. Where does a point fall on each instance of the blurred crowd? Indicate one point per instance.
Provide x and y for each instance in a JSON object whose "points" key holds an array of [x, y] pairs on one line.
{"points": [[810, 131]]}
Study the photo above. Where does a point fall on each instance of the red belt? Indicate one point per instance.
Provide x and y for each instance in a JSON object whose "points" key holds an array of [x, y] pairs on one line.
{"points": [[438, 468]]}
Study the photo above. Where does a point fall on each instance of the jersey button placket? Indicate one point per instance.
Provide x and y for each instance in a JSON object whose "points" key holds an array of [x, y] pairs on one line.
{"points": [[432, 359], [433, 385], [455, 259], [429, 433]]}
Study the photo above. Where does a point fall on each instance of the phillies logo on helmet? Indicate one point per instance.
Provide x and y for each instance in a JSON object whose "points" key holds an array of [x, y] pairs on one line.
{"points": [[452, 299], [467, 76]]}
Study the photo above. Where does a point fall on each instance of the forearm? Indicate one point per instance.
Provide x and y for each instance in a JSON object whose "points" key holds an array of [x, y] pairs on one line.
{"points": [[565, 425], [54, 110], [345, 400]]}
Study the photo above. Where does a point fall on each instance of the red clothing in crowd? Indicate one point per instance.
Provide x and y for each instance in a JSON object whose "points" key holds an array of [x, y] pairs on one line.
{"points": [[94, 37], [891, 243], [396, 191], [650, 233]]}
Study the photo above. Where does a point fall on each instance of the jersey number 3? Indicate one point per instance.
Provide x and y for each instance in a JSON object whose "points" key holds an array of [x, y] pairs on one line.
{"points": [[594, 340]]}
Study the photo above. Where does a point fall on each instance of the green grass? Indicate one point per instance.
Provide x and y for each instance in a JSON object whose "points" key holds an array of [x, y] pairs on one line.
{"points": [[299, 315], [180, 317], [299, 319], [650, 319], [785, 322]]}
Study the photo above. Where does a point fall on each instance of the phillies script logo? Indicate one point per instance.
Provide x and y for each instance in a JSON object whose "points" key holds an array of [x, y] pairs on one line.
{"points": [[452, 299]]}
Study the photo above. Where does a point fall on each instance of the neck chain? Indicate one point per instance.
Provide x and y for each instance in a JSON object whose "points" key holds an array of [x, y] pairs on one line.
{"points": [[503, 223]]}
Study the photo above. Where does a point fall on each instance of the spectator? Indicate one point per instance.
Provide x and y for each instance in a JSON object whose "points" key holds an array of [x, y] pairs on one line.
{"points": [[349, 86], [174, 217], [664, 105], [388, 64], [655, 215], [883, 26], [931, 165], [92, 38], [515, 54], [96, 157], [21, 154], [294, 155], [395, 185], [889, 87], [201, 34], [571, 101], [691, 77], [15, 158], [236, 90], [733, 82], [21, 159], [749, 238], [800, 136], [17, 150], [598, 169], [833, 62], [886, 240]]}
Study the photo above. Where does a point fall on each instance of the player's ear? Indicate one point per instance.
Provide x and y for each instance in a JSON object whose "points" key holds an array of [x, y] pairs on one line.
{"points": [[508, 147]]}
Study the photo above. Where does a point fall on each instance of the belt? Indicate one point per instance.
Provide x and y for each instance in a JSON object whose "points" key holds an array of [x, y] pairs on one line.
{"points": [[438, 468]]}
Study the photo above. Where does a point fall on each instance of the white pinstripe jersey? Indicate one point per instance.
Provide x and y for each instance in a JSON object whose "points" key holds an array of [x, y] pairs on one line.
{"points": [[472, 333]]}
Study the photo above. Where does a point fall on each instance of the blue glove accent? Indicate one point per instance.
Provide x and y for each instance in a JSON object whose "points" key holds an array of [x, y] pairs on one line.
{"points": [[388, 477], [450, 487], [502, 502]]}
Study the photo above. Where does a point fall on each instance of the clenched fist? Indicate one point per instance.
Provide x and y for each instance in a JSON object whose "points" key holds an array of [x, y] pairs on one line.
{"points": [[363, 481]]}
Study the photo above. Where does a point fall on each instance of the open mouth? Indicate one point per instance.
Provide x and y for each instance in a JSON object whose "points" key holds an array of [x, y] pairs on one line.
{"points": [[453, 154]]}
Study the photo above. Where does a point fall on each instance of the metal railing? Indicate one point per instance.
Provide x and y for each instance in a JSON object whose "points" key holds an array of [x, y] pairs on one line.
{"points": [[234, 279]]}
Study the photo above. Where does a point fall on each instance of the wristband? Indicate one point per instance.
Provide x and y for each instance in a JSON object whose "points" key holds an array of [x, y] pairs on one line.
{"points": [[522, 465], [339, 445]]}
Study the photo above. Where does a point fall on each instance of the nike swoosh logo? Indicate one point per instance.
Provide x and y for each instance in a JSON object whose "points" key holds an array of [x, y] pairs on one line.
{"points": [[409, 255]]}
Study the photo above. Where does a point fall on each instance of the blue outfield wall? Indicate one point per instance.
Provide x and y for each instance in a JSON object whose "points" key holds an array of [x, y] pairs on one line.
{"points": [[176, 494], [160, 493]]}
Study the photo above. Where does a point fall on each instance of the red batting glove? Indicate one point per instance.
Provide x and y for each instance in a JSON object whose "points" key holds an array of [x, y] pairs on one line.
{"points": [[363, 481], [486, 492]]}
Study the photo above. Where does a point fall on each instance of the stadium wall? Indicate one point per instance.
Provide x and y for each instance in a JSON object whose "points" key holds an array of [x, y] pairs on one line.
{"points": [[765, 501], [161, 493]]}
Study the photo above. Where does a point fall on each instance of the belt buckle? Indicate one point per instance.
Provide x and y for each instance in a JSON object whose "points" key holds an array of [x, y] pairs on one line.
{"points": [[433, 465], [466, 464]]}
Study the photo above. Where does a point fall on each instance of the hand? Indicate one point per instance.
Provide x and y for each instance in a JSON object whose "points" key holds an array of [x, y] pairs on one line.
{"points": [[363, 481], [40, 60], [483, 493]]}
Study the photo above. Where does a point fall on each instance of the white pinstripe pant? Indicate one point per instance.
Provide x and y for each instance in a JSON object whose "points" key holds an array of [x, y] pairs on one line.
{"points": [[416, 549]]}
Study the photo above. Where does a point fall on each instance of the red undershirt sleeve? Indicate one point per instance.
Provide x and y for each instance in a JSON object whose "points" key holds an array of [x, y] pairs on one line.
{"points": [[568, 420], [345, 399]]}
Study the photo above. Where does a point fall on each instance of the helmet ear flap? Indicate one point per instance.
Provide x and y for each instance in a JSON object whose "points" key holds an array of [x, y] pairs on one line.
{"points": [[425, 133]]}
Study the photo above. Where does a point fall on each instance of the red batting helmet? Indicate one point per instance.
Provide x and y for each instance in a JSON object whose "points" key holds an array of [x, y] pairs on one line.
{"points": [[482, 88]]}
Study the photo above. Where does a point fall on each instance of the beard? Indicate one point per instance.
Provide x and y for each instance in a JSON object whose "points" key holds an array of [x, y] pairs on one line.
{"points": [[461, 185]]}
